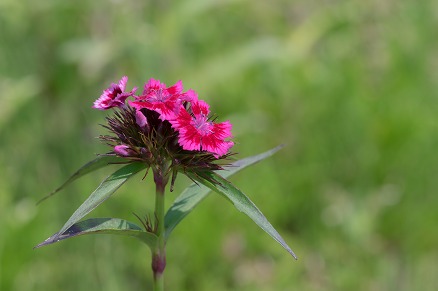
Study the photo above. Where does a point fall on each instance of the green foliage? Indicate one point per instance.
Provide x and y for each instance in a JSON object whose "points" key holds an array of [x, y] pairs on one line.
{"points": [[102, 193], [197, 192], [96, 164], [181, 207], [104, 226], [350, 86], [242, 203]]}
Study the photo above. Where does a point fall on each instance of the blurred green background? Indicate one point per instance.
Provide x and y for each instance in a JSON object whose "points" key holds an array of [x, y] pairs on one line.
{"points": [[350, 87]]}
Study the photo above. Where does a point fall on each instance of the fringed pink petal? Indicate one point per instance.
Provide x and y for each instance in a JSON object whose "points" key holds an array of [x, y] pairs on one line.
{"points": [[114, 96]]}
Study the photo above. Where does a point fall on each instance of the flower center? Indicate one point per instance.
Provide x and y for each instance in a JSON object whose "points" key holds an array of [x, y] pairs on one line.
{"points": [[159, 96], [202, 124], [115, 90]]}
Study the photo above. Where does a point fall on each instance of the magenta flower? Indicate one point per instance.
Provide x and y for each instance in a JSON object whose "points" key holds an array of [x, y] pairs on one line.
{"points": [[157, 97], [114, 96], [198, 133], [176, 116]]}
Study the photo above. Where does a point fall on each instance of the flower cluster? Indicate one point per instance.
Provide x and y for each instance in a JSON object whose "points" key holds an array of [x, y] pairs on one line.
{"points": [[164, 123]]}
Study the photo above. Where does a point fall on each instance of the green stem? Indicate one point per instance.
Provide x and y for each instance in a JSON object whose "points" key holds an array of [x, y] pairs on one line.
{"points": [[159, 253]]}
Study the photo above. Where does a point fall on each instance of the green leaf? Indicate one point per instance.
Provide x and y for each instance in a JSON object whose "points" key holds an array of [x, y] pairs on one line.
{"points": [[99, 162], [220, 185], [195, 193], [103, 192], [104, 226]]}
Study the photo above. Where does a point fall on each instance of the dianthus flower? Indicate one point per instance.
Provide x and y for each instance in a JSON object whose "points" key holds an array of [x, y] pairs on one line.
{"points": [[167, 125], [198, 133], [167, 131], [114, 96], [162, 99]]}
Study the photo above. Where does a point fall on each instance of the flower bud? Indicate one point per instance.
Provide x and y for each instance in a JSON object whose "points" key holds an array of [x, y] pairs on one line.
{"points": [[123, 150], [140, 119]]}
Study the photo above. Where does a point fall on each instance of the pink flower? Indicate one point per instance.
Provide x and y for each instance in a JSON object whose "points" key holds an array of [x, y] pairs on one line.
{"points": [[114, 96], [197, 133], [162, 99]]}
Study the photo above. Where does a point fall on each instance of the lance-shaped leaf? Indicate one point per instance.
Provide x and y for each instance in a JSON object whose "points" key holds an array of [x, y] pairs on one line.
{"points": [[103, 192], [104, 226], [220, 185], [99, 162], [195, 193]]}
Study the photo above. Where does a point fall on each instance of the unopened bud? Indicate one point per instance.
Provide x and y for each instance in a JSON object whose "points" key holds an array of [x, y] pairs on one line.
{"points": [[123, 150], [140, 119]]}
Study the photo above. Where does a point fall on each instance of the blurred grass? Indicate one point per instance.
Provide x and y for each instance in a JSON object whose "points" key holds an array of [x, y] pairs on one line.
{"points": [[350, 86]]}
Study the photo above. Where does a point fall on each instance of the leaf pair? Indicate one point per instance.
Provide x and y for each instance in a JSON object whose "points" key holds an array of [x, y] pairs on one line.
{"points": [[103, 192], [181, 207]]}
